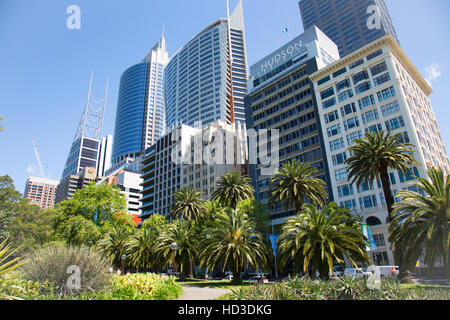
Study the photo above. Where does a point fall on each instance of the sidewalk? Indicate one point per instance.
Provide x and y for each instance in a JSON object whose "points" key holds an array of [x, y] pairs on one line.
{"points": [[195, 293]]}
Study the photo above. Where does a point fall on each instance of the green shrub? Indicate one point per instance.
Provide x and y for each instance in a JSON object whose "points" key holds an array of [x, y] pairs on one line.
{"points": [[51, 264], [147, 286], [344, 288], [139, 286], [14, 287]]}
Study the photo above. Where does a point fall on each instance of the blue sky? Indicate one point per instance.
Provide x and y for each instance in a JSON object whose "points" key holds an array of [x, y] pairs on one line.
{"points": [[45, 67]]}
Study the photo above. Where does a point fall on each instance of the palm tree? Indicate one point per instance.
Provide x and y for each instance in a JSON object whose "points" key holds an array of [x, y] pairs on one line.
{"points": [[181, 233], [142, 248], [232, 188], [188, 204], [115, 244], [422, 222], [294, 182], [231, 242], [321, 238], [374, 155]]}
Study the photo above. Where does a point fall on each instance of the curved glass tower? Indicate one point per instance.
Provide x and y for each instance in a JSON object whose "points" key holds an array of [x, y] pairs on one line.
{"points": [[206, 80], [140, 117]]}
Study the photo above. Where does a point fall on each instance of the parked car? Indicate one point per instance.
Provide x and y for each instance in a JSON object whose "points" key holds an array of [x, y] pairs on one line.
{"points": [[229, 277], [357, 272]]}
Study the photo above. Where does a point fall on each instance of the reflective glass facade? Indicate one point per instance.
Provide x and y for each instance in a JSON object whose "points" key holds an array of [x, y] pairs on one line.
{"points": [[347, 22], [140, 118], [130, 111], [206, 79]]}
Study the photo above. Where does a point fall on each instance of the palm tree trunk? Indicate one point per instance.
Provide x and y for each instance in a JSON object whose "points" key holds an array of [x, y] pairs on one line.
{"points": [[236, 275], [191, 268], [385, 182], [398, 252]]}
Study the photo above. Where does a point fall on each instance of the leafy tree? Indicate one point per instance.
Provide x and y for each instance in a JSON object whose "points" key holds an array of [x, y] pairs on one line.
{"points": [[181, 233], [115, 244], [231, 242], [422, 222], [8, 194], [31, 227], [155, 223], [26, 225], [9, 198], [374, 155], [1, 127], [294, 182], [318, 239], [232, 188], [104, 205], [188, 204], [76, 230]]}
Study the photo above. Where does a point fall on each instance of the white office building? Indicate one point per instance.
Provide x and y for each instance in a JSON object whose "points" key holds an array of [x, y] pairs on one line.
{"points": [[376, 88]]}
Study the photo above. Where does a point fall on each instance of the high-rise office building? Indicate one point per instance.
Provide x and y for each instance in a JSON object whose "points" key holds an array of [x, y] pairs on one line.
{"points": [[206, 80], [140, 117], [85, 147], [41, 192], [376, 88], [67, 187], [281, 97], [181, 159], [351, 24]]}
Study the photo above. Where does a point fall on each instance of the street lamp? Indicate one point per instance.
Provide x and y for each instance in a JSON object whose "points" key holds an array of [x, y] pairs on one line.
{"points": [[174, 247], [123, 257]]}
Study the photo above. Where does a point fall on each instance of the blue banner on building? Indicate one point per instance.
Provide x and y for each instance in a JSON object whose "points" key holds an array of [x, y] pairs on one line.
{"points": [[273, 241]]}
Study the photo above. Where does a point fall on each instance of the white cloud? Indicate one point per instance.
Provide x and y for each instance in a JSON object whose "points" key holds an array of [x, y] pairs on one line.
{"points": [[31, 169], [433, 71]]}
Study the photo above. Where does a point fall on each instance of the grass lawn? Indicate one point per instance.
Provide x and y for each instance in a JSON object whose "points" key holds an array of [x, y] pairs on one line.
{"points": [[422, 286]]}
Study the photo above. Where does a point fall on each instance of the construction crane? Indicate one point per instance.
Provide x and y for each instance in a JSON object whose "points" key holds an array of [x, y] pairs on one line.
{"points": [[38, 159]]}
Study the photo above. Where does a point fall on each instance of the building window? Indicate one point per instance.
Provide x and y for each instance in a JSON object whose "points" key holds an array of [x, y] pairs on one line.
{"points": [[379, 68], [366, 102], [345, 190], [390, 108], [382, 79], [334, 130], [327, 93], [395, 123], [341, 174], [329, 103], [345, 95], [351, 123], [339, 158], [333, 116], [374, 54]]}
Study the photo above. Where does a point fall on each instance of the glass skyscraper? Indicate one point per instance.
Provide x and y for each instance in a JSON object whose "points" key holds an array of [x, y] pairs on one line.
{"points": [[351, 24], [206, 80], [140, 118]]}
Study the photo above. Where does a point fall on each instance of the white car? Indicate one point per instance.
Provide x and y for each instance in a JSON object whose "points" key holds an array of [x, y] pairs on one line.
{"points": [[356, 272], [387, 271], [258, 279]]}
